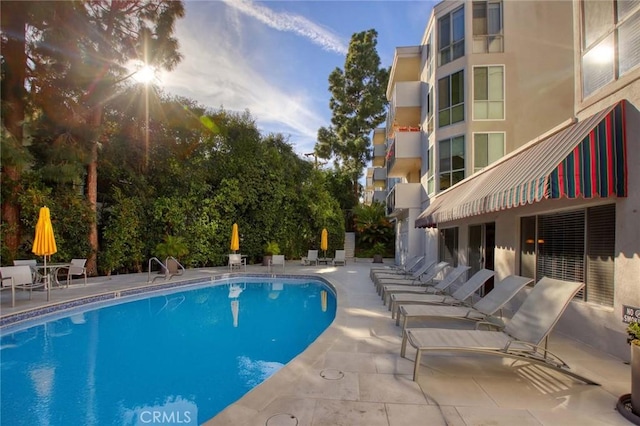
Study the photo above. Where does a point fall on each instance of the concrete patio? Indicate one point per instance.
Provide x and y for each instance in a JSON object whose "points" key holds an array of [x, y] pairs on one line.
{"points": [[353, 373]]}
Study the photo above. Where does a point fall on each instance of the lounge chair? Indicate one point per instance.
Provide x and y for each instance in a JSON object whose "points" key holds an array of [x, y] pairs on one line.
{"points": [[458, 297], [388, 287], [520, 338], [414, 278], [340, 258], [76, 268], [405, 269], [467, 288], [409, 307], [20, 276], [276, 259], [312, 257], [237, 261]]}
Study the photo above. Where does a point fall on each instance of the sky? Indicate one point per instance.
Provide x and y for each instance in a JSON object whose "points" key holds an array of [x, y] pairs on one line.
{"points": [[273, 58]]}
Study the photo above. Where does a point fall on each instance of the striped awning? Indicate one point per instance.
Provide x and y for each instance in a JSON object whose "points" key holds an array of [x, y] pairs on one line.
{"points": [[585, 160]]}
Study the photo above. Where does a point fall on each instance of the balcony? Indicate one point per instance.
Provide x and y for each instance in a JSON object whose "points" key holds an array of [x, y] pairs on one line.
{"points": [[379, 153], [380, 196], [406, 94], [380, 175], [403, 196], [403, 156]]}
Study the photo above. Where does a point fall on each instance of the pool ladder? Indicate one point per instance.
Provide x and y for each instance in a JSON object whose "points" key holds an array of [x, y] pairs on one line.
{"points": [[167, 275]]}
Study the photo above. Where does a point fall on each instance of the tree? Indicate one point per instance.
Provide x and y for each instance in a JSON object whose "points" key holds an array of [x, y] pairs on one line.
{"points": [[116, 33], [358, 104]]}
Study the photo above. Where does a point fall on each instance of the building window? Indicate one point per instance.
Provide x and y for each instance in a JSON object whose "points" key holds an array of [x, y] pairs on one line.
{"points": [[487, 148], [573, 246], [487, 27], [488, 93], [610, 41], [430, 111], [448, 246], [430, 171], [451, 99], [451, 36], [451, 164]]}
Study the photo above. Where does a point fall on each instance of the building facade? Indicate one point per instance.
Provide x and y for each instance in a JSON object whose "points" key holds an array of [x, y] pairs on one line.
{"points": [[529, 134]]}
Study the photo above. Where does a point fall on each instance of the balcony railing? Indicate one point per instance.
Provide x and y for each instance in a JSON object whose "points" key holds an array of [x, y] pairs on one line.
{"points": [[403, 196], [380, 174], [403, 155]]}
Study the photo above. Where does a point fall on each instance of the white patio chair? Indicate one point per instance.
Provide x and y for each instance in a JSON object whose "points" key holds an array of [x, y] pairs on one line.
{"points": [[76, 268], [340, 258], [276, 259], [20, 276], [312, 257], [237, 261]]}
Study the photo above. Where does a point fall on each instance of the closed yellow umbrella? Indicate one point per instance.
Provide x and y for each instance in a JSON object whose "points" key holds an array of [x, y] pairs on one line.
{"points": [[324, 241], [44, 243], [235, 238]]}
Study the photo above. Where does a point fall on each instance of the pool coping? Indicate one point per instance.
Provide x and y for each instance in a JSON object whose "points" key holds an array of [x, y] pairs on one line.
{"points": [[247, 409], [16, 318]]}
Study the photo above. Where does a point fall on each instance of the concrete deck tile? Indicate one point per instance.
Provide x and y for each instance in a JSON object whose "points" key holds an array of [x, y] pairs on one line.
{"points": [[390, 388]]}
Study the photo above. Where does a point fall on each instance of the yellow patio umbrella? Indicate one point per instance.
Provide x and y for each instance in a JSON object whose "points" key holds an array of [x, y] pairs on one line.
{"points": [[44, 243], [324, 241], [235, 238]]}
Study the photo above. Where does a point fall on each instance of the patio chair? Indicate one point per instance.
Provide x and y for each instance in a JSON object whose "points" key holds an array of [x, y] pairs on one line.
{"points": [[340, 257], [33, 264], [519, 339], [312, 257], [381, 279], [276, 259], [20, 276], [426, 279], [237, 261], [405, 269], [410, 306], [76, 268]]}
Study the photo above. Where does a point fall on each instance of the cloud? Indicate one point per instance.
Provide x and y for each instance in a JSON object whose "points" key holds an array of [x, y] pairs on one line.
{"points": [[283, 21], [216, 73]]}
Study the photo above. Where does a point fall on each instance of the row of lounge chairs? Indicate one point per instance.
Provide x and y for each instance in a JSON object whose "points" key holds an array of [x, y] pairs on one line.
{"points": [[413, 292]]}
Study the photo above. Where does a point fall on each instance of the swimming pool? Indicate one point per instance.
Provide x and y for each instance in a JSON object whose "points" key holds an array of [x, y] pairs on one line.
{"points": [[180, 355]]}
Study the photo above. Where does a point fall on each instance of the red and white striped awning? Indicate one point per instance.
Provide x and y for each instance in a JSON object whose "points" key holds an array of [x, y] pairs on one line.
{"points": [[587, 159]]}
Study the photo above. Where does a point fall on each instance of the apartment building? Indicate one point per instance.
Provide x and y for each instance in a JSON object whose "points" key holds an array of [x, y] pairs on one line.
{"points": [[528, 129]]}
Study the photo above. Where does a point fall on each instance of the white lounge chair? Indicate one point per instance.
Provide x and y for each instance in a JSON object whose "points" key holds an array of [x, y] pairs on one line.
{"points": [[12, 277], [456, 298], [415, 275], [312, 257], [520, 338], [414, 278], [428, 297], [387, 287], [411, 308], [339, 258], [405, 269], [237, 261], [276, 259]]}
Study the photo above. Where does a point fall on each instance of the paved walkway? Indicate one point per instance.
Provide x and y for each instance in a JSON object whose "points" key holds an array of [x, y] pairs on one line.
{"points": [[353, 374]]}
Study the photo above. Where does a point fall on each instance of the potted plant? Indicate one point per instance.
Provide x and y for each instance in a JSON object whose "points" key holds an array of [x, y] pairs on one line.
{"points": [[269, 250], [632, 411], [378, 250], [171, 247]]}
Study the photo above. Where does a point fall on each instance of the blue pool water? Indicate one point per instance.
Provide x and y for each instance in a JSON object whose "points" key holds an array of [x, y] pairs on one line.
{"points": [[175, 358]]}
